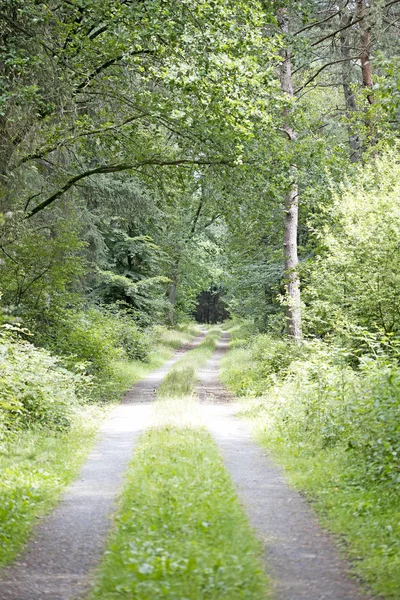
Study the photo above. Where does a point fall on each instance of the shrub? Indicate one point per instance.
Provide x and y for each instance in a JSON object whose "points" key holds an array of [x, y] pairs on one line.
{"points": [[35, 389], [309, 398], [95, 338], [353, 281], [81, 338], [135, 342], [259, 362]]}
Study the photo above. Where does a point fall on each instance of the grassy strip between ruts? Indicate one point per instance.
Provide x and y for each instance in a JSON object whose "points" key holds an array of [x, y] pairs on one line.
{"points": [[37, 464], [365, 515], [181, 380], [180, 531]]}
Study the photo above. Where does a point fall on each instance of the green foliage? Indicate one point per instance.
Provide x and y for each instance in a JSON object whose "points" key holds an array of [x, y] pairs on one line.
{"points": [[83, 340], [39, 264], [353, 284], [94, 339], [134, 275], [336, 430], [310, 398], [35, 389], [145, 297], [257, 363]]}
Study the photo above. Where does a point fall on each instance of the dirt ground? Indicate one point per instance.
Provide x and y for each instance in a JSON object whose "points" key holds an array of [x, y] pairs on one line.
{"points": [[300, 557], [59, 559]]}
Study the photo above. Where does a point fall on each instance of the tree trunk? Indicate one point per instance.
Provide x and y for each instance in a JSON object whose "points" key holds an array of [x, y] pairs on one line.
{"points": [[349, 97], [172, 295], [365, 48], [292, 281]]}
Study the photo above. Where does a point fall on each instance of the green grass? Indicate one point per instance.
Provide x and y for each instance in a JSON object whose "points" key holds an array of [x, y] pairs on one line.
{"points": [[180, 531], [35, 467], [181, 380], [37, 464], [125, 374], [363, 514], [365, 518], [174, 338]]}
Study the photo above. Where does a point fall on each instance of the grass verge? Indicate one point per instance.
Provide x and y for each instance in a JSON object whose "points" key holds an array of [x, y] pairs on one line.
{"points": [[363, 512], [180, 531], [364, 518], [35, 467], [37, 464]]}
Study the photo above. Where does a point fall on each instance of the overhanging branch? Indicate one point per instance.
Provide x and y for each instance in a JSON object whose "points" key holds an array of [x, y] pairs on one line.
{"points": [[39, 154], [318, 23], [109, 63], [325, 66], [105, 169]]}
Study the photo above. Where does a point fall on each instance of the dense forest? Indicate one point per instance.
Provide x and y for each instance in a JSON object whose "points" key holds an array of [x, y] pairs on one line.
{"points": [[163, 161]]}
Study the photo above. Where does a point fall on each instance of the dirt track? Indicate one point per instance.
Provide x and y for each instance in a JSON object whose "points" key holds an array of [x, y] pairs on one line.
{"points": [[300, 556], [58, 561]]}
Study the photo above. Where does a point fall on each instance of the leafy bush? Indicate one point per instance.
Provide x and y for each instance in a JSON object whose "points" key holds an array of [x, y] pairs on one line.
{"points": [[126, 335], [309, 398], [39, 264], [82, 338], [136, 343], [257, 364], [35, 389], [353, 282], [94, 338]]}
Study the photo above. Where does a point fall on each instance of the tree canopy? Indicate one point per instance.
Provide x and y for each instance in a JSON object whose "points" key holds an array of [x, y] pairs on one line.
{"points": [[151, 150]]}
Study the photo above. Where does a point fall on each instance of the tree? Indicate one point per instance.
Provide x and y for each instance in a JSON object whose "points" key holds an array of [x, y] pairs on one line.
{"points": [[293, 311]]}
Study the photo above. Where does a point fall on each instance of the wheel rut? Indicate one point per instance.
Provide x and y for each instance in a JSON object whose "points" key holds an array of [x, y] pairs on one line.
{"points": [[65, 548], [300, 557]]}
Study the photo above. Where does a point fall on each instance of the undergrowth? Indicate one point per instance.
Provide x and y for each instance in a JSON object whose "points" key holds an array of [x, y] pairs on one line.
{"points": [[48, 423], [336, 429], [35, 465]]}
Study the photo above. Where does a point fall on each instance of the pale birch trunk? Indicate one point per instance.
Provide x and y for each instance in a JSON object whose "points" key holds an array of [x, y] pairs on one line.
{"points": [[365, 48], [292, 281]]}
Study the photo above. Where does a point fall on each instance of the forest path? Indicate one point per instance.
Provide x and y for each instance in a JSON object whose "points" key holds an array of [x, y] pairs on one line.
{"points": [[67, 545], [301, 558]]}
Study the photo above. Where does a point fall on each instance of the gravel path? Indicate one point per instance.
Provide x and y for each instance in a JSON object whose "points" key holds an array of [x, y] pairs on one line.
{"points": [[300, 556], [67, 545]]}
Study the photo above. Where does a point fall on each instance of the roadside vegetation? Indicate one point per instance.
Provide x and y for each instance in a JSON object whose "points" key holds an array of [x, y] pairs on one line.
{"points": [[49, 416], [180, 531], [160, 160], [329, 404], [335, 430]]}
